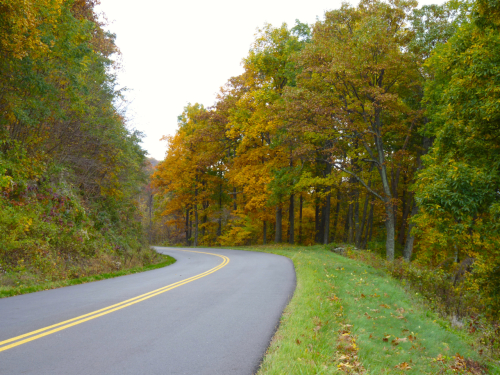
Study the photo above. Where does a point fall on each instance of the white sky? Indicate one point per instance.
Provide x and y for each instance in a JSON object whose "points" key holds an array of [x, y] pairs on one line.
{"points": [[175, 53]]}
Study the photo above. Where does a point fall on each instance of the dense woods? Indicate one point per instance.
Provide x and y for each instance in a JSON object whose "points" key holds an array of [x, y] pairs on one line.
{"points": [[70, 168], [377, 126]]}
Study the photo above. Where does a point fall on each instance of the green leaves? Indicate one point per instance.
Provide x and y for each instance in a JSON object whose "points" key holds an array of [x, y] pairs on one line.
{"points": [[456, 188]]}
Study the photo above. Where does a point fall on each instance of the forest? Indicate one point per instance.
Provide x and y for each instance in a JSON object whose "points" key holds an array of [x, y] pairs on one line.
{"points": [[378, 126], [71, 169]]}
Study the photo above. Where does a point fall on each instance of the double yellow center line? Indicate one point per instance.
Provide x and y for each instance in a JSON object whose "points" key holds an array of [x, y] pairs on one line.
{"points": [[30, 336]]}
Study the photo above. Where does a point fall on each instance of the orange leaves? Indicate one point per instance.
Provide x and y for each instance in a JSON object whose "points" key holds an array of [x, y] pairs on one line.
{"points": [[347, 352], [403, 366]]}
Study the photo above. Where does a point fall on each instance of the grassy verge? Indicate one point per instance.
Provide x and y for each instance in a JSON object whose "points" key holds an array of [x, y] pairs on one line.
{"points": [[13, 291], [347, 317]]}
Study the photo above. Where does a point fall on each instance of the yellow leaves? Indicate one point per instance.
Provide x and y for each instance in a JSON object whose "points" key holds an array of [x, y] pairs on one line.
{"points": [[20, 32], [111, 192], [27, 225], [403, 366]]}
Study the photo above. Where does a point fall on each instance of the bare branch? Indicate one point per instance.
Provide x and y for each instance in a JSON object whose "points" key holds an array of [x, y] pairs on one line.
{"points": [[359, 180]]}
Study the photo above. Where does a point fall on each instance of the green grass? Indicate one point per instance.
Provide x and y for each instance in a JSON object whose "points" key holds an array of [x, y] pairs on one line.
{"points": [[347, 317], [13, 291]]}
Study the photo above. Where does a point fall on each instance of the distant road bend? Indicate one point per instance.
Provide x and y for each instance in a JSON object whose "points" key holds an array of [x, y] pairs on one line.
{"points": [[213, 312]]}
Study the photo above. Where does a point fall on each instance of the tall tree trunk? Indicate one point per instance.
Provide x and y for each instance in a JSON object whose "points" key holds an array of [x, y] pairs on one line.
{"points": [[204, 219], [326, 235], [203, 222], [235, 207], [394, 186], [300, 219], [371, 223], [404, 220], [195, 242], [357, 225], [291, 220], [362, 241], [325, 238], [337, 210], [195, 225], [363, 220], [351, 223], [322, 214], [278, 236], [264, 232], [345, 235], [408, 249], [316, 221], [390, 235], [387, 196], [188, 242], [369, 228]]}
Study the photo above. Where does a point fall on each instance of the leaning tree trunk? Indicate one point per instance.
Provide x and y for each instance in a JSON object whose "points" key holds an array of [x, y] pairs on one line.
{"points": [[387, 198]]}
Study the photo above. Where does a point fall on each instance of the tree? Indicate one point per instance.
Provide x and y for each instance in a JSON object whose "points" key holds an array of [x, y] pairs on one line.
{"points": [[458, 189], [358, 71]]}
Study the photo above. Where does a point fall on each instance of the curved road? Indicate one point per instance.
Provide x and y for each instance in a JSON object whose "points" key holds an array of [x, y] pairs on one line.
{"points": [[207, 314]]}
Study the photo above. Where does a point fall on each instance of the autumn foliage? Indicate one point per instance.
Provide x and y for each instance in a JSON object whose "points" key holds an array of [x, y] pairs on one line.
{"points": [[69, 166], [369, 127]]}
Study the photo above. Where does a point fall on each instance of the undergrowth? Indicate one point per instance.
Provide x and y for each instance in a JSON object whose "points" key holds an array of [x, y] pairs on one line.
{"points": [[51, 233], [6, 291]]}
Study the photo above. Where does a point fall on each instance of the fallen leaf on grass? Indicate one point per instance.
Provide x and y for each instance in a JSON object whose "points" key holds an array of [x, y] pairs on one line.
{"points": [[440, 358], [396, 341], [340, 365], [345, 337], [403, 366], [298, 341]]}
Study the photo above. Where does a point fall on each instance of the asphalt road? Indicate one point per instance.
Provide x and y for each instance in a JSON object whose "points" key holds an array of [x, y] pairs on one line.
{"points": [[219, 322]]}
